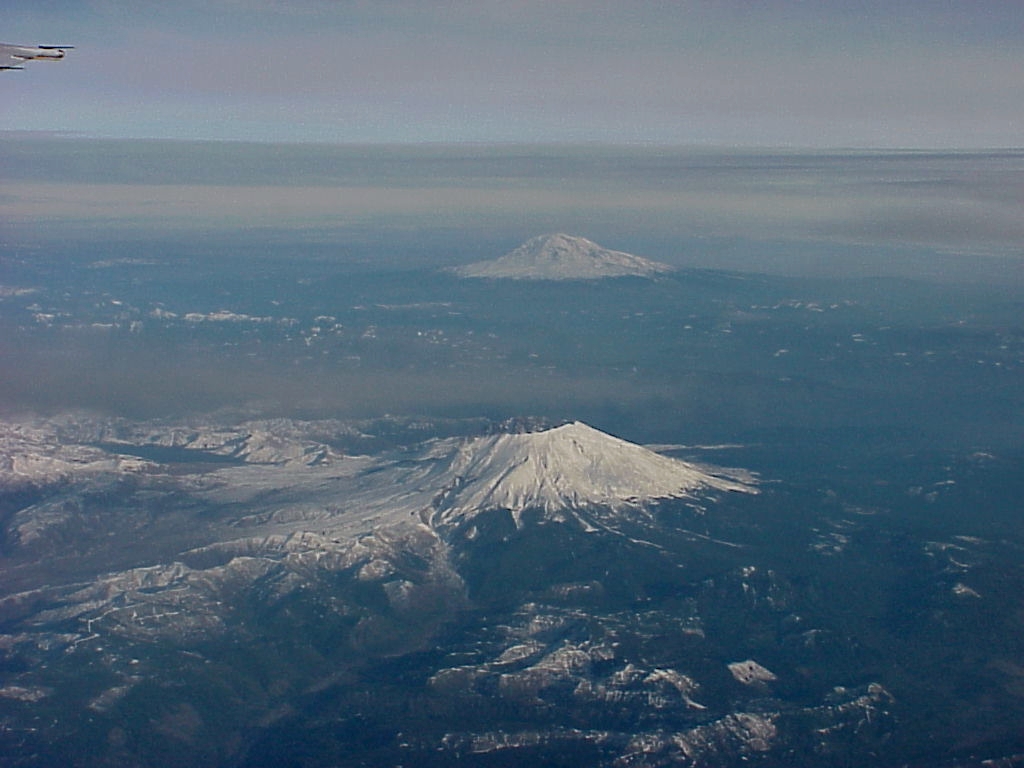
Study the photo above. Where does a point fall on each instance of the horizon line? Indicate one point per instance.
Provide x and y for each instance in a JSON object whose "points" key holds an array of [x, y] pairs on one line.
{"points": [[483, 143]]}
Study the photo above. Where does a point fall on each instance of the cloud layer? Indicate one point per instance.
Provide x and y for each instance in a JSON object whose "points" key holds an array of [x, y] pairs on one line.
{"points": [[781, 72]]}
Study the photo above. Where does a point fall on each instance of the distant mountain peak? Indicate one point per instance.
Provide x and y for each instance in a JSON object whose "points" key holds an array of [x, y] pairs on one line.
{"points": [[562, 471], [562, 257]]}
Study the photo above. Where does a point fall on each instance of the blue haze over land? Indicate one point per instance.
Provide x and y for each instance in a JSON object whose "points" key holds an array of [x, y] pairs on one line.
{"points": [[291, 232]]}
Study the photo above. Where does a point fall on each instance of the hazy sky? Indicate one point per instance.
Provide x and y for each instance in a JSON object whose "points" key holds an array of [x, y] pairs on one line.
{"points": [[918, 73]]}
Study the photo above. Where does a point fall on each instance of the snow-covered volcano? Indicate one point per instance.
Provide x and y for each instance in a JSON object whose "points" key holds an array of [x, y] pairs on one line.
{"points": [[562, 257], [561, 471]]}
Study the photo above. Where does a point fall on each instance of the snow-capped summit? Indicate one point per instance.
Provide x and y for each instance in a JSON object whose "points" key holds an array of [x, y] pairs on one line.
{"points": [[560, 471], [562, 257]]}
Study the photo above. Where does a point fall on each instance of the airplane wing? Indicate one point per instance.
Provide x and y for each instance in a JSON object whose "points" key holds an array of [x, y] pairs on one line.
{"points": [[15, 56]]}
